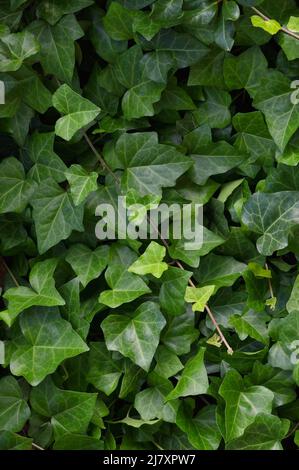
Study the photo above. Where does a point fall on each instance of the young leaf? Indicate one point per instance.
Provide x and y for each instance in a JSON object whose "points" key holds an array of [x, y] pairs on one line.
{"points": [[151, 261]]}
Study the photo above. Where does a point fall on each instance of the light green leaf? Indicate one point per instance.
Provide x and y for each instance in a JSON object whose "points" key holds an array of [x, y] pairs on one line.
{"points": [[270, 26], [151, 261], [199, 297]]}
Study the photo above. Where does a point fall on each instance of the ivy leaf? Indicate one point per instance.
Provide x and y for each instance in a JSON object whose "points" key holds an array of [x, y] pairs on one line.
{"points": [[272, 216], [270, 26], [242, 404], [149, 166], [219, 271], [125, 287], [15, 188], [265, 433], [87, 264], [139, 100], [199, 296], [14, 411], [57, 48], [104, 369], [274, 99], [194, 378], [15, 49], [118, 22], [52, 10], [214, 159], [78, 112], [43, 291], [70, 412], [11, 441], [47, 163], [143, 327], [46, 341], [202, 430], [171, 296], [82, 183], [54, 214], [151, 261]]}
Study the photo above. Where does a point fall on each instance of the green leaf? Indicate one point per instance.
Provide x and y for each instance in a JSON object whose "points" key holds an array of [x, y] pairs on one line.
{"points": [[125, 287], [15, 49], [171, 296], [272, 216], [143, 328], [79, 112], [149, 166], [293, 302], [42, 291], [14, 411], [118, 22], [82, 183], [53, 10], [54, 215], [219, 271], [215, 110], [139, 100], [202, 430], [265, 433], [57, 48], [274, 99], [199, 296], [15, 189], [104, 369], [46, 341], [11, 441], [70, 412], [151, 261], [194, 378], [214, 159], [242, 404], [87, 264], [47, 163], [270, 26], [246, 70]]}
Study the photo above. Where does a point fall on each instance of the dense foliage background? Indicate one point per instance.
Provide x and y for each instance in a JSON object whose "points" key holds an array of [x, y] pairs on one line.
{"points": [[171, 100]]}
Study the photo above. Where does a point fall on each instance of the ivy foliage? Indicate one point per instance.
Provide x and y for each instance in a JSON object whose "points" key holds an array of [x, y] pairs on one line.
{"points": [[128, 344]]}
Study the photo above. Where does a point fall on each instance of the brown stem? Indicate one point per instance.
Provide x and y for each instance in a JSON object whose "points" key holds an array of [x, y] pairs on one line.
{"points": [[270, 284], [10, 272], [283, 28], [178, 263]]}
